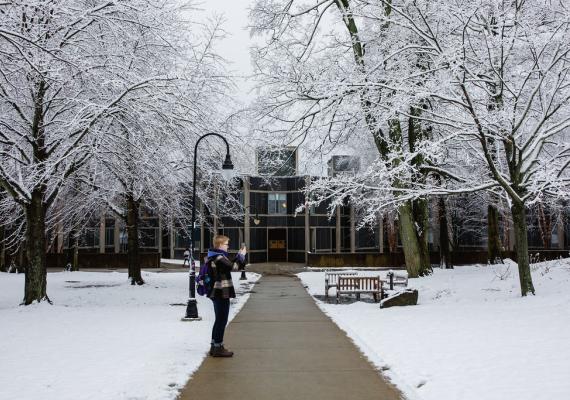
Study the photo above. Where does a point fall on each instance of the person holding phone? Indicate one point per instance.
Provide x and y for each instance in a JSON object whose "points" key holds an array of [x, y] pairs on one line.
{"points": [[222, 290]]}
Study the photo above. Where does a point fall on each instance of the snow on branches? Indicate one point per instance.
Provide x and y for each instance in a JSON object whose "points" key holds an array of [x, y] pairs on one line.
{"points": [[454, 97], [98, 99]]}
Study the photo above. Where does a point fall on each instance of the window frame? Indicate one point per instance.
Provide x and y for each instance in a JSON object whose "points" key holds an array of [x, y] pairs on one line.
{"points": [[278, 199]]}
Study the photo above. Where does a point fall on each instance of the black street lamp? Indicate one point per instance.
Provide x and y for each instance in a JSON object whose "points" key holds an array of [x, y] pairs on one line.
{"points": [[256, 221], [192, 307]]}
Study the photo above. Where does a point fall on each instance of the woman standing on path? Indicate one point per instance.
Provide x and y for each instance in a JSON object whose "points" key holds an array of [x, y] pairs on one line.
{"points": [[222, 290]]}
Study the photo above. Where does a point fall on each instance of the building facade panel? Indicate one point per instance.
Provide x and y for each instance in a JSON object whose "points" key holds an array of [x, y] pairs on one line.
{"points": [[279, 233]]}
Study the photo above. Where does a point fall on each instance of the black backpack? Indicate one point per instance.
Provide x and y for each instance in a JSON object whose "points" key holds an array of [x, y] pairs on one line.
{"points": [[206, 277]]}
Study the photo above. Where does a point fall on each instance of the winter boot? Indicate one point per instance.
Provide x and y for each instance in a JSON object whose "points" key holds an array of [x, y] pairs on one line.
{"points": [[220, 351], [211, 352]]}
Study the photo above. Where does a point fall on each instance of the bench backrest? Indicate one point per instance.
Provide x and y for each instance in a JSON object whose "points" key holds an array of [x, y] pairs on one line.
{"points": [[332, 277], [359, 283]]}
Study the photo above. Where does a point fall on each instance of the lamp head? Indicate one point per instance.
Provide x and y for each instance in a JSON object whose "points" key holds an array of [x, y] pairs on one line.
{"points": [[227, 167], [228, 162]]}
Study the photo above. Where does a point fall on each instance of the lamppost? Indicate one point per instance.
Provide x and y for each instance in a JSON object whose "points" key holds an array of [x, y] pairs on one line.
{"points": [[256, 221], [191, 307]]}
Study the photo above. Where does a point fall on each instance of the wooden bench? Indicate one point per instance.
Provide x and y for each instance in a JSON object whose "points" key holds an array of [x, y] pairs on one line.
{"points": [[331, 279], [358, 285]]}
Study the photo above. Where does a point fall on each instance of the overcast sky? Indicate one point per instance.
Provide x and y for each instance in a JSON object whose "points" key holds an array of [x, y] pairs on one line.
{"points": [[235, 48]]}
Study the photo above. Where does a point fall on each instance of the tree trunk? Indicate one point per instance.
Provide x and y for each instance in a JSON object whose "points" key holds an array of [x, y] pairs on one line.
{"points": [[35, 270], [3, 266], [421, 223], [507, 226], [133, 241], [493, 238], [416, 251], [444, 248], [21, 258], [545, 225], [415, 246], [36, 210], [391, 232], [75, 264], [521, 240], [72, 252]]}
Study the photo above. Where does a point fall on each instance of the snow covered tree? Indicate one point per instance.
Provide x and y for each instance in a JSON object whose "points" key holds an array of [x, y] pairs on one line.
{"points": [[48, 109], [483, 86], [315, 73], [517, 54], [69, 70], [143, 160], [497, 80]]}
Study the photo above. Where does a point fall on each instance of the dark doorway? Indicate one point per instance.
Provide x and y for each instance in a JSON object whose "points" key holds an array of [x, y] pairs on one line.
{"points": [[277, 244]]}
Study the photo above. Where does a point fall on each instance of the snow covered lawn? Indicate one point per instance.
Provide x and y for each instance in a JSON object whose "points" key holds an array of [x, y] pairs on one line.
{"points": [[472, 336], [102, 338]]}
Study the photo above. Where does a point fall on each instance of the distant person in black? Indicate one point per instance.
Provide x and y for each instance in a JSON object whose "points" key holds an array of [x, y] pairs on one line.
{"points": [[186, 257]]}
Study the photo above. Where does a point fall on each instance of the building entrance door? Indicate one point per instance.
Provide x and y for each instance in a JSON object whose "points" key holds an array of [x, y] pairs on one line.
{"points": [[277, 244]]}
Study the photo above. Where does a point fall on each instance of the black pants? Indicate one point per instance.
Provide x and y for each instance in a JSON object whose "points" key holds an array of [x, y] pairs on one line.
{"points": [[222, 310]]}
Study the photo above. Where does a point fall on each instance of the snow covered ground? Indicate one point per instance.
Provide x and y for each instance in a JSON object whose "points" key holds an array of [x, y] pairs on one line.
{"points": [[102, 338], [472, 336]]}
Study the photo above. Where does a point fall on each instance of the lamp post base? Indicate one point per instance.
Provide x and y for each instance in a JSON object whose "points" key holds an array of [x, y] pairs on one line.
{"points": [[191, 311], [191, 319]]}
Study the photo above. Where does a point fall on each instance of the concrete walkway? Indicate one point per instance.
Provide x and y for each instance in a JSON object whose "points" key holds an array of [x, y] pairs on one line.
{"points": [[286, 348]]}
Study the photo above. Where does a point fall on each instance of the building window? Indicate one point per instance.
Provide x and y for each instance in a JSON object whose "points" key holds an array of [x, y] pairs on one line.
{"points": [[323, 240], [110, 236], [277, 203], [277, 162], [181, 240], [148, 237], [348, 165], [109, 232], [89, 237]]}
